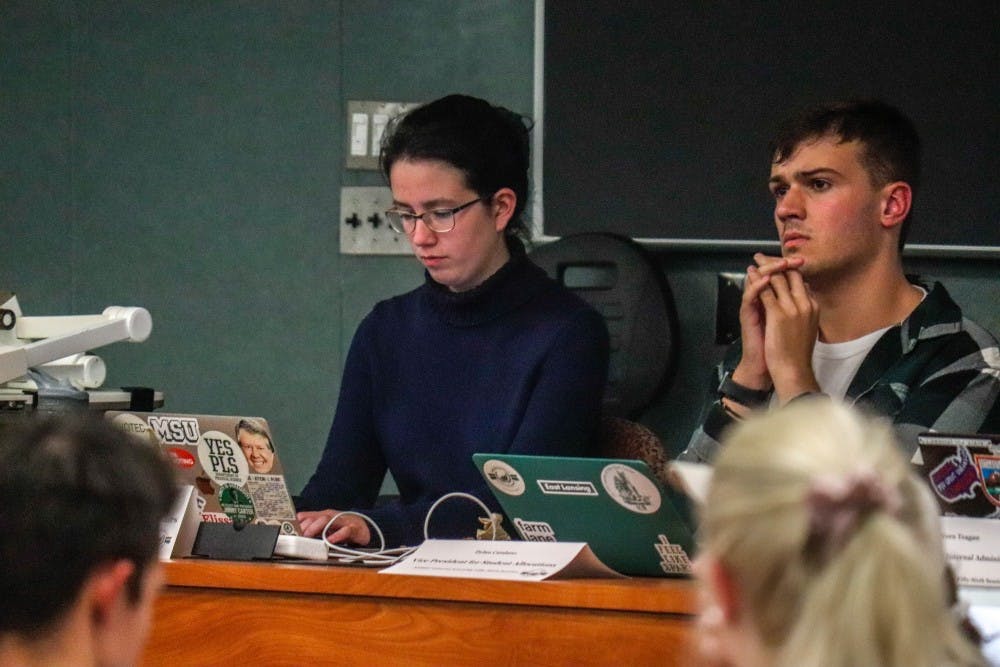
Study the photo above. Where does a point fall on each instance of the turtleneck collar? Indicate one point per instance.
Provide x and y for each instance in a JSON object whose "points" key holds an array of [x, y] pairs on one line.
{"points": [[511, 286]]}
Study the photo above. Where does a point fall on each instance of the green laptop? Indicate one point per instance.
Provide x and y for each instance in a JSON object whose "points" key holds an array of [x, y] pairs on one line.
{"points": [[614, 505]]}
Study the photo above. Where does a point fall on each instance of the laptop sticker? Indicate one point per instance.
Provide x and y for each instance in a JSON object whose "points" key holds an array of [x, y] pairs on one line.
{"points": [[503, 477], [535, 531], [566, 488], [956, 477], [630, 488], [989, 472], [673, 559]]}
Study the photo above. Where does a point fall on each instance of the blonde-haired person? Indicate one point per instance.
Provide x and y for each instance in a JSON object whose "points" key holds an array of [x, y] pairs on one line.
{"points": [[821, 548]]}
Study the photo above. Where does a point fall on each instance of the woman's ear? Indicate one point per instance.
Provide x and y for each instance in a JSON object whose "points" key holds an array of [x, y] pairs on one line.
{"points": [[502, 206], [727, 591]]}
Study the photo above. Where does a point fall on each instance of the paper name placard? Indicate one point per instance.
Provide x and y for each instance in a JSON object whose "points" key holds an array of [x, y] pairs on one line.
{"points": [[973, 549], [511, 560]]}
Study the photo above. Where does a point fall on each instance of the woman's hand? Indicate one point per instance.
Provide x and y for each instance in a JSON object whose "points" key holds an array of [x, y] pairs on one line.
{"points": [[348, 528]]}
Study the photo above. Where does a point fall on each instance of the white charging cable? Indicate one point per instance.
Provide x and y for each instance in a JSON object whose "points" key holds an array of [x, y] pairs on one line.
{"points": [[458, 494], [382, 556]]}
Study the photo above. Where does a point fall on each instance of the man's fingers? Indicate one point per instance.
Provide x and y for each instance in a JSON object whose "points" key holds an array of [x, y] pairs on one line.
{"points": [[799, 290], [781, 292], [754, 283], [768, 264]]}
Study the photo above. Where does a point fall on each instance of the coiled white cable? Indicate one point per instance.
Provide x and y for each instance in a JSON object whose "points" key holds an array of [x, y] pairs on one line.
{"points": [[457, 494], [382, 556]]}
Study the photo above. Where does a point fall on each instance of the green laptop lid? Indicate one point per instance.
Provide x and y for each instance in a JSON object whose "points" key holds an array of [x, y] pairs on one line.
{"points": [[616, 506]]}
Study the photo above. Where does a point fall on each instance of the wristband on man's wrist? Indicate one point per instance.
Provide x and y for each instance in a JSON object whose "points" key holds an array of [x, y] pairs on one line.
{"points": [[807, 395], [734, 391]]}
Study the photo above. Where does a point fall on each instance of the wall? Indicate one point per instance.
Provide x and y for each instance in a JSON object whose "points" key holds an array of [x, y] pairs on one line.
{"points": [[189, 160]]}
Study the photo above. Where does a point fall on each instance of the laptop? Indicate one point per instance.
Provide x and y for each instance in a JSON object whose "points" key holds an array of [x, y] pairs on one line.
{"points": [[963, 471], [234, 484], [616, 506]]}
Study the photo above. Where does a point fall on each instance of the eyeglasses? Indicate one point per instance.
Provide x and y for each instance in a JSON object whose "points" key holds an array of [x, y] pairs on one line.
{"points": [[438, 220]]}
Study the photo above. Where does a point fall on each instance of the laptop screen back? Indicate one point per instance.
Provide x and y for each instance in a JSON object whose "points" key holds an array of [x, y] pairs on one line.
{"points": [[614, 505], [232, 461]]}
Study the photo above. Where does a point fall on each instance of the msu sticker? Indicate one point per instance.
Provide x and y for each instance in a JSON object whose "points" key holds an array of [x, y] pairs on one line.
{"points": [[630, 488], [503, 477]]}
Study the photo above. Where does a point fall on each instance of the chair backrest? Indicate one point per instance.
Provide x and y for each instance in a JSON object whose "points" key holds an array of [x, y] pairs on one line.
{"points": [[616, 276], [624, 439]]}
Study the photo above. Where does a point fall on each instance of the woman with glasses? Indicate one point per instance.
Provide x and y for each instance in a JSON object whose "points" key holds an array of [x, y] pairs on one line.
{"points": [[488, 355]]}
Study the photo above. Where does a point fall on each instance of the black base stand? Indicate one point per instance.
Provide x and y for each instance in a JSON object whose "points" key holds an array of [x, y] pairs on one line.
{"points": [[225, 541]]}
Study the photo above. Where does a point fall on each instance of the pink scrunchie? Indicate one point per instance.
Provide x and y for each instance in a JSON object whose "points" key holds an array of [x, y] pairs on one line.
{"points": [[837, 504]]}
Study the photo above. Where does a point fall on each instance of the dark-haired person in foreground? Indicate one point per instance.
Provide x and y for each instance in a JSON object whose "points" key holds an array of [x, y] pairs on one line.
{"points": [[835, 313], [488, 355], [80, 508]]}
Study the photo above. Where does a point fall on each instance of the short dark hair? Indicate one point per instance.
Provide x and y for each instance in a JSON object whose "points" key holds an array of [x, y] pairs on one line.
{"points": [[488, 143], [891, 148], [75, 493]]}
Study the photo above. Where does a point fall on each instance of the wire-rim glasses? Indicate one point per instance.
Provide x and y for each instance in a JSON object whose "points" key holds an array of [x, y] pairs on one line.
{"points": [[437, 220]]}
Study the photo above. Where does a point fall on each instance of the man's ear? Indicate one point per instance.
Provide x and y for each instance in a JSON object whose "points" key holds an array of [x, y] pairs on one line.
{"points": [[896, 202], [502, 206], [727, 591], [106, 587]]}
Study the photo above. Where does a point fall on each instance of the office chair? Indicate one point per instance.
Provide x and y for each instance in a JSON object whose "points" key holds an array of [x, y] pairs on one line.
{"points": [[622, 282]]}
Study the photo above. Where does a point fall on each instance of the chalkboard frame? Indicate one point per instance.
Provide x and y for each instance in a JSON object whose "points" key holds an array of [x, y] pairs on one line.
{"points": [[559, 209]]}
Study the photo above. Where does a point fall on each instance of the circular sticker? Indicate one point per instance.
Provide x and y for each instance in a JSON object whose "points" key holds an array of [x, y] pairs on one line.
{"points": [[221, 459], [630, 488], [503, 477], [236, 504]]}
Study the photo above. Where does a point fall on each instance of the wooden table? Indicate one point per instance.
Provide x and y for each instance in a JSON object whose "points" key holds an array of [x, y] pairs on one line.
{"points": [[237, 613]]}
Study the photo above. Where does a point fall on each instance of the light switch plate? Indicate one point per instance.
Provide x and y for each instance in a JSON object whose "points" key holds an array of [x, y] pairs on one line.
{"points": [[366, 121]]}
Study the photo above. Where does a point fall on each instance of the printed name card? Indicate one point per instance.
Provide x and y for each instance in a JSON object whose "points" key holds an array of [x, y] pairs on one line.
{"points": [[511, 560], [973, 549]]}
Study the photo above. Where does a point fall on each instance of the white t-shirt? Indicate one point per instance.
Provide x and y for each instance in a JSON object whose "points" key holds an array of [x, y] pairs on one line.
{"points": [[834, 364]]}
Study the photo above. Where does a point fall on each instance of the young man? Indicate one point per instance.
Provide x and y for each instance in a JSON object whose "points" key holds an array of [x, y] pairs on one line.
{"points": [[80, 506], [835, 314]]}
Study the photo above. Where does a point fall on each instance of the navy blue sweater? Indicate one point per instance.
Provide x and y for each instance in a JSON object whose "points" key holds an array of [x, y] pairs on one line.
{"points": [[516, 365]]}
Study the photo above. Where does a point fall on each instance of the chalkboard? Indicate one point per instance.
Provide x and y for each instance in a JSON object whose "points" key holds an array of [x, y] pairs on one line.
{"points": [[658, 115]]}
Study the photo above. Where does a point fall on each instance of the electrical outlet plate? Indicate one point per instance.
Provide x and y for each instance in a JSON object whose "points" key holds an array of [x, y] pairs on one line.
{"points": [[363, 227]]}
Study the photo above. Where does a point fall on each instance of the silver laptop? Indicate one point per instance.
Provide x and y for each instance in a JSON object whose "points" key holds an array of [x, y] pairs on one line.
{"points": [[232, 461]]}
